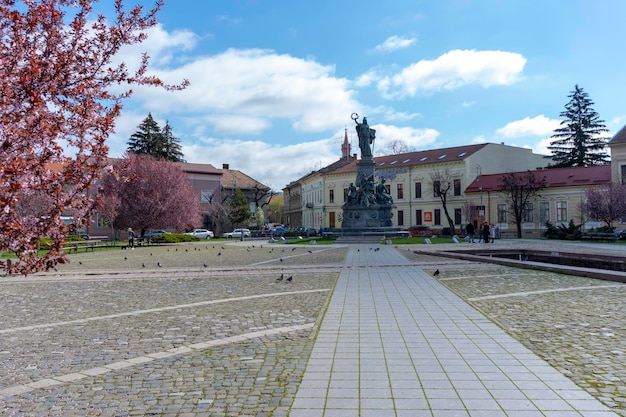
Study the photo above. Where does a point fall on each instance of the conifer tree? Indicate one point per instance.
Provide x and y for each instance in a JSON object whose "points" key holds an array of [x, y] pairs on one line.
{"points": [[579, 142], [146, 140], [151, 140]]}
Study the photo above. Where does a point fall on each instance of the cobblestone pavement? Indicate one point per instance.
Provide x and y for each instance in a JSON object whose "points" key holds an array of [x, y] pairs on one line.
{"points": [[576, 324], [106, 336], [212, 333]]}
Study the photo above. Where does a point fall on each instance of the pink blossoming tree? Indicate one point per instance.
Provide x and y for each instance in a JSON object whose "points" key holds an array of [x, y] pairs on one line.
{"points": [[57, 109]]}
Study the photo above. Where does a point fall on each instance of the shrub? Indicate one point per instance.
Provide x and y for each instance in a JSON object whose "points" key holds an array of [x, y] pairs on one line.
{"points": [[175, 238], [561, 232]]}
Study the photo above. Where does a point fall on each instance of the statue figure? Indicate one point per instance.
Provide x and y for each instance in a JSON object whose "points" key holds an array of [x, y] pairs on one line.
{"points": [[381, 193], [366, 136], [367, 190], [352, 194]]}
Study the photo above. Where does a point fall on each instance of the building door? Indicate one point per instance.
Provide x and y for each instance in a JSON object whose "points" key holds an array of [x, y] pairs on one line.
{"points": [[331, 219]]}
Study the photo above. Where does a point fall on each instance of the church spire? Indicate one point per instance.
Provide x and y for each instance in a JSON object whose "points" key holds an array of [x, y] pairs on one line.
{"points": [[346, 148]]}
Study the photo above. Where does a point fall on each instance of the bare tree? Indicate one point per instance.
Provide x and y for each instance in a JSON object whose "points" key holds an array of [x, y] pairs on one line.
{"points": [[396, 147], [443, 183], [521, 188]]}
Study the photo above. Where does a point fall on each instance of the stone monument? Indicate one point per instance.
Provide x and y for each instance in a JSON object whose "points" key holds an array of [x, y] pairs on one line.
{"points": [[367, 209]]}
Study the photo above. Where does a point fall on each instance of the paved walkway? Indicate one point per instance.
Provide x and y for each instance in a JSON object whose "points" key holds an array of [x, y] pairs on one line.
{"points": [[395, 342]]}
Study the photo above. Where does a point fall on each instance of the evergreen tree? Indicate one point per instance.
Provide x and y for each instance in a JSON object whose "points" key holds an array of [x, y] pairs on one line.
{"points": [[146, 140], [150, 139], [171, 149], [578, 142]]}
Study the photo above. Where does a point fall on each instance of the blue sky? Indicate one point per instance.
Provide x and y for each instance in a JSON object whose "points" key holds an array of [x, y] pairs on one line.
{"points": [[274, 82]]}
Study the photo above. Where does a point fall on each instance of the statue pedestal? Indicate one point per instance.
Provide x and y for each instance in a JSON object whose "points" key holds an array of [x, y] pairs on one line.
{"points": [[359, 217]]}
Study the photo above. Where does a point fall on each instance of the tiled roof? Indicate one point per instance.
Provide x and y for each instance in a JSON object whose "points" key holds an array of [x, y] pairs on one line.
{"points": [[620, 137], [199, 168], [457, 153], [558, 177], [233, 178]]}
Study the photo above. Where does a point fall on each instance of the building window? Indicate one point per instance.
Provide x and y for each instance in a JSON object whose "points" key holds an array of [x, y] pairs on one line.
{"points": [[527, 216], [436, 188], [502, 213], [418, 217], [400, 189], [400, 217], [345, 195], [206, 196], [437, 217], [623, 169], [418, 190], [544, 212], [457, 187], [457, 216], [331, 196], [102, 222], [561, 211]]}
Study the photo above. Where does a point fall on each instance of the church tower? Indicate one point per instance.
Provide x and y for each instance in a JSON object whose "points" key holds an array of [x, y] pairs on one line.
{"points": [[346, 148]]}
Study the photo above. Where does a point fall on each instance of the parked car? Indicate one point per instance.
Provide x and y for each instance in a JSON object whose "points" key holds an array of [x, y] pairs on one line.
{"points": [[237, 233], [201, 233], [152, 233], [620, 234]]}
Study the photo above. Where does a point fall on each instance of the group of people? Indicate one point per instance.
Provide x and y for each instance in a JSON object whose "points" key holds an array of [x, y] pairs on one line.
{"points": [[486, 233]]}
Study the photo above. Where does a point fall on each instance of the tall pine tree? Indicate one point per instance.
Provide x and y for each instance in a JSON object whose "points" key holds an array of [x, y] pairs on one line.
{"points": [[579, 142], [150, 139]]}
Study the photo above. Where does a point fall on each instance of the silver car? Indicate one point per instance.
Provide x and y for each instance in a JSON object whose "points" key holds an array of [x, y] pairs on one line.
{"points": [[237, 233], [201, 233]]}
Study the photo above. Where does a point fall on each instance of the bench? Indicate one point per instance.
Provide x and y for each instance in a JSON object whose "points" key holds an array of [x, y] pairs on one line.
{"points": [[86, 245]]}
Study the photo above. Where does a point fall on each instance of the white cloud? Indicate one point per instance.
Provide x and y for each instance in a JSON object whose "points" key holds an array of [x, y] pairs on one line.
{"points": [[273, 165], [393, 43], [478, 140], [536, 126], [414, 138], [161, 46], [453, 70], [256, 83]]}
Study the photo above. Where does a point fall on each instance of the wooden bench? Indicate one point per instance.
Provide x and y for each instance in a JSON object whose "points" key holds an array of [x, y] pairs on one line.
{"points": [[86, 245]]}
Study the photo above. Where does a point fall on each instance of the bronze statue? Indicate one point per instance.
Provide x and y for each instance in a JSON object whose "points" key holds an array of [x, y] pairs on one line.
{"points": [[366, 136]]}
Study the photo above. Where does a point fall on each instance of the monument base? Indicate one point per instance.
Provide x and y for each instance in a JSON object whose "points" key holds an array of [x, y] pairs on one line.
{"points": [[373, 216]]}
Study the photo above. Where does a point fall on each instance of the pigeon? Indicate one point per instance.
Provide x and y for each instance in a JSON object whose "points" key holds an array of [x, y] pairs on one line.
{"points": [[436, 273], [280, 278], [80, 262], [281, 259], [292, 249], [290, 279], [159, 264], [204, 265], [219, 253], [125, 258]]}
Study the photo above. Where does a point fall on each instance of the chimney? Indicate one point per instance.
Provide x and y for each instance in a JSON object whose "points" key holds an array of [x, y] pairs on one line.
{"points": [[225, 166]]}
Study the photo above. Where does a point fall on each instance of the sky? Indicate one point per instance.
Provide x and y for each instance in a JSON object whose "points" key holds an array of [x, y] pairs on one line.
{"points": [[273, 83]]}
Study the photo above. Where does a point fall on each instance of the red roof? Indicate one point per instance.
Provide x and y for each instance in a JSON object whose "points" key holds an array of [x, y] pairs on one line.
{"points": [[557, 177], [457, 153]]}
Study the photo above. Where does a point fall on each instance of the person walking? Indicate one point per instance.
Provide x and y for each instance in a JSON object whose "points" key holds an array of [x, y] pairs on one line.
{"points": [[131, 238], [469, 229], [486, 232], [492, 233]]}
